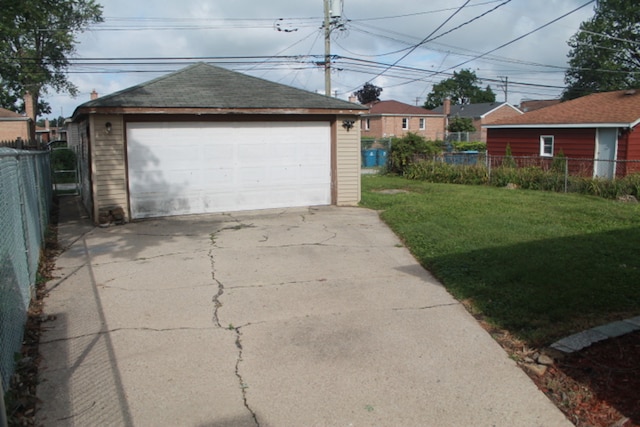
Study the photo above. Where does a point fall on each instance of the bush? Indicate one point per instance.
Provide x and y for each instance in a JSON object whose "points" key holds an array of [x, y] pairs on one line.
{"points": [[409, 149], [63, 159], [441, 172], [470, 146]]}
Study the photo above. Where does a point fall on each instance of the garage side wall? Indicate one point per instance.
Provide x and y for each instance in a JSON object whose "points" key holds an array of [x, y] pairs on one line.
{"points": [[348, 162], [108, 165]]}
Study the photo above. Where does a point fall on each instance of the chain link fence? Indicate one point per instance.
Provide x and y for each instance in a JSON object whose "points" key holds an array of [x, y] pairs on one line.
{"points": [[25, 202]]}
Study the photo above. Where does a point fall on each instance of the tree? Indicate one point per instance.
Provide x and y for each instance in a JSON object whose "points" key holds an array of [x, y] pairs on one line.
{"points": [[369, 93], [37, 37], [461, 124], [605, 52], [462, 88]]}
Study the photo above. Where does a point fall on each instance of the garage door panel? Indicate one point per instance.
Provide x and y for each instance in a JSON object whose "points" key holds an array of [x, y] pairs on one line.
{"points": [[184, 168]]}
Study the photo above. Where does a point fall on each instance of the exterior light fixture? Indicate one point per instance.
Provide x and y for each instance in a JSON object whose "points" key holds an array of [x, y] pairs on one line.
{"points": [[348, 124], [108, 127]]}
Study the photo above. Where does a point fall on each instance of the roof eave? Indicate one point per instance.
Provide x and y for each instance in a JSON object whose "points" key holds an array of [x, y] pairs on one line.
{"points": [[559, 125], [83, 111]]}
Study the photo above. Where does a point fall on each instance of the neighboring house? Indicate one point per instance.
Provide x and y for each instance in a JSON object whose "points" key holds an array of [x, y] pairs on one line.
{"points": [[46, 133], [536, 104], [480, 114], [393, 118], [207, 139], [14, 126], [601, 127]]}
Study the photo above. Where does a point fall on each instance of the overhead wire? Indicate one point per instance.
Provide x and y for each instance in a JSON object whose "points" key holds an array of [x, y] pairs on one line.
{"points": [[425, 39]]}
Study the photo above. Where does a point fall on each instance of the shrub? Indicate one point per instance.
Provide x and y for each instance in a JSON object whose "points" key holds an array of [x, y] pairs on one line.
{"points": [[63, 159], [508, 161], [409, 149], [470, 146]]}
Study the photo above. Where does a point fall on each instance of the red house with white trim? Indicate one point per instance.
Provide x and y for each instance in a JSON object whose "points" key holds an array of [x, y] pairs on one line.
{"points": [[601, 127]]}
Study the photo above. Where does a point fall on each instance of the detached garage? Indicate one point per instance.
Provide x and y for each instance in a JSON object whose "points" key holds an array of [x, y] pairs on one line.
{"points": [[205, 139]]}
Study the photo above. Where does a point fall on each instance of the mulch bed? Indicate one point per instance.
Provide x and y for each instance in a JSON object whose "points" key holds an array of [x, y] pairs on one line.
{"points": [[598, 386]]}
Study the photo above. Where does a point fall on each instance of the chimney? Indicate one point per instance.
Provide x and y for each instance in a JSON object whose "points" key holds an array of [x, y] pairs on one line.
{"points": [[29, 107], [446, 106], [353, 99], [46, 124], [94, 95]]}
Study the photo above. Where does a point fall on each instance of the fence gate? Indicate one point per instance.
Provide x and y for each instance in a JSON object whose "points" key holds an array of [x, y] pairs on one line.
{"points": [[64, 166]]}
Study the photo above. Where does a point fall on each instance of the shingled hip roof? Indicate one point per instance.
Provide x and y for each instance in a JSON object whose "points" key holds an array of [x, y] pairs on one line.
{"points": [[607, 109], [206, 86]]}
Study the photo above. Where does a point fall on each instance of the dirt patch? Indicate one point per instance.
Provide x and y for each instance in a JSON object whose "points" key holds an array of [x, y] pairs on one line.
{"points": [[20, 399], [392, 191]]}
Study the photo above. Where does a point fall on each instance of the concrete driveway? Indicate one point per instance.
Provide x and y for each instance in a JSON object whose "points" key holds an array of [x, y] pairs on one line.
{"points": [[296, 317]]}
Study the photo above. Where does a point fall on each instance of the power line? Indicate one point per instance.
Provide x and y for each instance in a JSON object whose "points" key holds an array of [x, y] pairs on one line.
{"points": [[426, 38], [524, 35]]}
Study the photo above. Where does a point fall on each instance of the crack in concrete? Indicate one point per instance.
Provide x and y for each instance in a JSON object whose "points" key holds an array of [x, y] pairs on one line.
{"points": [[243, 384], [109, 331], [426, 307], [216, 303], [216, 298], [178, 288]]}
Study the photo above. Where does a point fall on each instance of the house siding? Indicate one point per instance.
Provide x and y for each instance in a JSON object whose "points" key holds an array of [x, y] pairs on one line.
{"points": [[500, 113], [574, 143], [10, 130], [347, 167], [632, 150], [108, 166]]}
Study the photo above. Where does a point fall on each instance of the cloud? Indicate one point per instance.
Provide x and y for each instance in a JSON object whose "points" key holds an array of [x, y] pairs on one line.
{"points": [[372, 29]]}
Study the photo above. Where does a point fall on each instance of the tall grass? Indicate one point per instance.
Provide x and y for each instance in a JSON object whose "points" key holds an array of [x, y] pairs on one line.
{"points": [[529, 178]]}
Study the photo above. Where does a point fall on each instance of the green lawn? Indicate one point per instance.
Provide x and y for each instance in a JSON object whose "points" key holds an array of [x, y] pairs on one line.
{"points": [[541, 265]]}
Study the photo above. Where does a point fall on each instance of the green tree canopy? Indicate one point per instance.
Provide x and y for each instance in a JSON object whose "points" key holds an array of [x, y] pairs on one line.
{"points": [[605, 52], [369, 93], [462, 87], [461, 124], [37, 37]]}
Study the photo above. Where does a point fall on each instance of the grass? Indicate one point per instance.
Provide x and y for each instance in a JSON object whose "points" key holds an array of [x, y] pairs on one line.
{"points": [[541, 265]]}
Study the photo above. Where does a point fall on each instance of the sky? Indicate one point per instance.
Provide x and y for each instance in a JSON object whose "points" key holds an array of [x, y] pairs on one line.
{"points": [[403, 47]]}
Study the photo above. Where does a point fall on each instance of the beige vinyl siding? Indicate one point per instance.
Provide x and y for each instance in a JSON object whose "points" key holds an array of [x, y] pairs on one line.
{"points": [[348, 162], [108, 165]]}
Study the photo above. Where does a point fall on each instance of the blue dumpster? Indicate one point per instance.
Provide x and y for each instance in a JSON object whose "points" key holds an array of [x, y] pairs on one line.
{"points": [[467, 158], [369, 158], [470, 157], [382, 157]]}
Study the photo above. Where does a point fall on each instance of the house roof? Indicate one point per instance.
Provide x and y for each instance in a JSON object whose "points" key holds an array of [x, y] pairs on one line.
{"points": [[536, 104], [8, 115], [206, 86], [613, 109], [397, 108], [474, 110]]}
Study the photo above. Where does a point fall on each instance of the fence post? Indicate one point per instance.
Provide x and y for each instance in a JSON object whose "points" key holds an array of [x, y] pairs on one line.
{"points": [[488, 160], [566, 174]]}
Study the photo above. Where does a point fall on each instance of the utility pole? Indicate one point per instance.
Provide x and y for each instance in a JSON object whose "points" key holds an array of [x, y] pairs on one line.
{"points": [[505, 87], [327, 49]]}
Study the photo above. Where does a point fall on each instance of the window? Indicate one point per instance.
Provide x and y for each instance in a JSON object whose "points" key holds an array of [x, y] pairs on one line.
{"points": [[367, 124], [422, 124], [546, 145], [405, 123]]}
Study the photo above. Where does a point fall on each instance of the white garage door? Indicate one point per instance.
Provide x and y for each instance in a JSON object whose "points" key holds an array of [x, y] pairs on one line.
{"points": [[182, 168]]}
